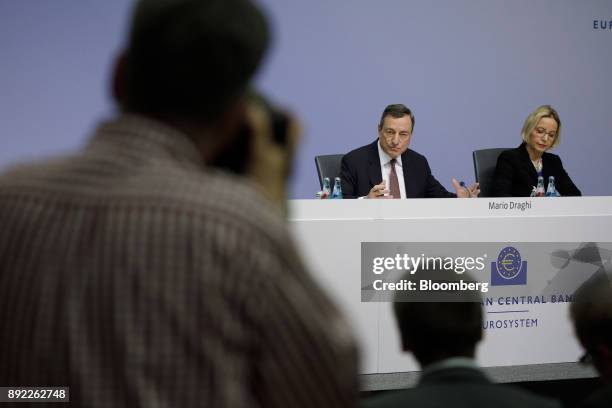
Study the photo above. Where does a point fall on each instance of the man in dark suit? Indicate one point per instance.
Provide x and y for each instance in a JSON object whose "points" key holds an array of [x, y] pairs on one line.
{"points": [[387, 168], [591, 313], [442, 336]]}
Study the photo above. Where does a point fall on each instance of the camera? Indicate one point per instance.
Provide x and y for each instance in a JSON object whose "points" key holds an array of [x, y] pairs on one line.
{"points": [[236, 156], [279, 122]]}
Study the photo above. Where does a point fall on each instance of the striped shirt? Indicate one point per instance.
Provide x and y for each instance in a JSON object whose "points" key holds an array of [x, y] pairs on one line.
{"points": [[137, 276]]}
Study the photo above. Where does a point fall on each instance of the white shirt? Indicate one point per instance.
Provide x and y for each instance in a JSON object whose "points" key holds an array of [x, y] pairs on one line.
{"points": [[385, 170]]}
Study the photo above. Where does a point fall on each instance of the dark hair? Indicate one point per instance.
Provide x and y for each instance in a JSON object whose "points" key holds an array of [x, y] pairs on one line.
{"points": [[591, 310], [190, 59], [434, 330], [397, 111]]}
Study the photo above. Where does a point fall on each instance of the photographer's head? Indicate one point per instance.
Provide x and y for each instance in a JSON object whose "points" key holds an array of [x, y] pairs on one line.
{"points": [[591, 313], [188, 62], [436, 330]]}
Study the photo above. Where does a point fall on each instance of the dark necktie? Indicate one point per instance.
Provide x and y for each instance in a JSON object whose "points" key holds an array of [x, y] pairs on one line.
{"points": [[393, 183]]}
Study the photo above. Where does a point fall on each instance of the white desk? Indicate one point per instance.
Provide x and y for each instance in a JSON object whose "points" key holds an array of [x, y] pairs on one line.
{"points": [[330, 232]]}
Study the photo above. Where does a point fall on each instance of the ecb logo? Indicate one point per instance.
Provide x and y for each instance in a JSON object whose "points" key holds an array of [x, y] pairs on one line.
{"points": [[509, 269]]}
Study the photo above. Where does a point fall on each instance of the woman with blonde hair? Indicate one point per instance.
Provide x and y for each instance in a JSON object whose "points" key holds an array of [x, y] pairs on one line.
{"points": [[517, 170]]}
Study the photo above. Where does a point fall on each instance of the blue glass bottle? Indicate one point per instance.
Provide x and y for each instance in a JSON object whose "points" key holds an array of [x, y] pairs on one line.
{"points": [[551, 191], [337, 193]]}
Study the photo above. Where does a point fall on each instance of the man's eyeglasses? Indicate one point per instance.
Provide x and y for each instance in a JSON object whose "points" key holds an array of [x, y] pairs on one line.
{"points": [[391, 133]]}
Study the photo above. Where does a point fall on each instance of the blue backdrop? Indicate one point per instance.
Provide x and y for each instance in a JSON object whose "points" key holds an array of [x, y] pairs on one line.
{"points": [[471, 70]]}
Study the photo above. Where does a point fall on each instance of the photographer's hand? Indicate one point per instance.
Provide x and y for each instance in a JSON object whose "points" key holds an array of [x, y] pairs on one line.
{"points": [[270, 164]]}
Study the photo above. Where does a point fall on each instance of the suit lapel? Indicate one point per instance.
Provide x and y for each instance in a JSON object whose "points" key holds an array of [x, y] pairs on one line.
{"points": [[408, 170], [374, 173], [547, 170], [527, 164]]}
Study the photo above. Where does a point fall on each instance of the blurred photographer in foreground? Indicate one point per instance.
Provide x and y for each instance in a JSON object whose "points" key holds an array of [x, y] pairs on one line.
{"points": [[140, 271]]}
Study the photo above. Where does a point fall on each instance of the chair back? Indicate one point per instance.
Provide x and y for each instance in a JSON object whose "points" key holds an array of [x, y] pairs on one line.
{"points": [[328, 165], [485, 161]]}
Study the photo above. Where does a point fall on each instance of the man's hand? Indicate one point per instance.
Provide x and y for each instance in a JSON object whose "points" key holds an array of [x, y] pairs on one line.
{"points": [[379, 191], [466, 192], [270, 163]]}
